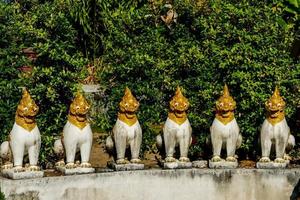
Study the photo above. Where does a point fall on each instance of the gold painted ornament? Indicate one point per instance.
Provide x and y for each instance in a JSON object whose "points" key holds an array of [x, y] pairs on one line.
{"points": [[26, 112], [225, 107], [78, 111], [127, 108], [178, 107], [275, 108]]}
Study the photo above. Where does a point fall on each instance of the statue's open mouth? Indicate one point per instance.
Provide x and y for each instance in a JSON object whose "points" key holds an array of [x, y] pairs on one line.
{"points": [[129, 114], [81, 117], [274, 113], [29, 119], [179, 113], [225, 113]]}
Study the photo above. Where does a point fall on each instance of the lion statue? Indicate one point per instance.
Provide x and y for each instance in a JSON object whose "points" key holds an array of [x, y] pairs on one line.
{"points": [[177, 130], [127, 131], [24, 138], [275, 131], [224, 131], [77, 135]]}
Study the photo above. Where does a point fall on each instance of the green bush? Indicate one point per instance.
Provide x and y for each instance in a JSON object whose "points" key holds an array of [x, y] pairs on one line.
{"points": [[209, 43], [46, 28]]}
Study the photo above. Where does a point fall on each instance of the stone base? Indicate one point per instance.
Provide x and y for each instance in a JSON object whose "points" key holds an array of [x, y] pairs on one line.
{"points": [[10, 173], [125, 167], [176, 165], [271, 165], [223, 164], [77, 170], [200, 164]]}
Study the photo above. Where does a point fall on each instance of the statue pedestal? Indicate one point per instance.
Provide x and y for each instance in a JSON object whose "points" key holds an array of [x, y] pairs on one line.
{"points": [[125, 167], [77, 170], [12, 174], [223, 164], [271, 165], [176, 165], [200, 164]]}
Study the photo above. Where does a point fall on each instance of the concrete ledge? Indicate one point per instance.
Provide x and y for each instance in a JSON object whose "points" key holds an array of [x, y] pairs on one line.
{"points": [[208, 184]]}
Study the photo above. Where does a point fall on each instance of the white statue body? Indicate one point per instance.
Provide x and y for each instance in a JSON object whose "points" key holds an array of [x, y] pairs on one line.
{"points": [[275, 130], [277, 135], [76, 138], [21, 141], [177, 135], [127, 136], [225, 136], [127, 131], [24, 137], [224, 131]]}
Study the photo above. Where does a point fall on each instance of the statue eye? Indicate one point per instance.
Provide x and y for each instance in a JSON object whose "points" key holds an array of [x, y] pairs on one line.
{"points": [[278, 104], [222, 104], [230, 104], [77, 107], [126, 104], [26, 109], [176, 104]]}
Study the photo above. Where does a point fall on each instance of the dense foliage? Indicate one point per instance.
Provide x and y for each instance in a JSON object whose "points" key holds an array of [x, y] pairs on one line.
{"points": [[146, 46]]}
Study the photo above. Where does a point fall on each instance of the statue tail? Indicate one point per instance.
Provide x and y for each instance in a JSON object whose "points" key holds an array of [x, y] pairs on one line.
{"points": [[239, 141], [159, 142], [291, 143], [109, 144]]}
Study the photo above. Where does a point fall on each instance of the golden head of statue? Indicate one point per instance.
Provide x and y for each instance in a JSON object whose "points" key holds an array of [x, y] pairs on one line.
{"points": [[225, 107], [26, 112], [78, 111], [178, 107], [127, 108], [275, 107]]}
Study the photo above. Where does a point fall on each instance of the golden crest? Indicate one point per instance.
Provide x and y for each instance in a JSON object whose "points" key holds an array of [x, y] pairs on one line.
{"points": [[178, 107], [78, 111], [275, 107], [225, 107], [26, 112], [128, 106]]}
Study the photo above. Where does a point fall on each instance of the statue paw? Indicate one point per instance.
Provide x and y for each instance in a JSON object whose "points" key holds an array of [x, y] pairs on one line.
{"points": [[287, 157], [19, 169], [184, 159], [121, 161], [60, 163], [265, 159], [135, 160], [7, 165], [70, 166], [279, 160], [231, 159], [216, 159], [85, 165], [34, 168], [170, 159]]}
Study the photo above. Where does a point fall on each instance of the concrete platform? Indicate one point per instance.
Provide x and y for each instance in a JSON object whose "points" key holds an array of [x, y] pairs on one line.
{"points": [[10, 173], [125, 167], [77, 170], [223, 164], [271, 165], [206, 184]]}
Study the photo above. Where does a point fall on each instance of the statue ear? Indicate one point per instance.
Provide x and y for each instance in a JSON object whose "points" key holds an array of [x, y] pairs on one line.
{"points": [[72, 108]]}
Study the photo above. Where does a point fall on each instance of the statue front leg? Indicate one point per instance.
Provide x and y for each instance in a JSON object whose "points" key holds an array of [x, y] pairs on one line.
{"points": [[85, 150], [265, 149], [33, 153], [120, 142], [230, 147], [170, 142], [217, 146], [6, 155], [184, 144], [280, 145], [18, 154], [135, 146]]}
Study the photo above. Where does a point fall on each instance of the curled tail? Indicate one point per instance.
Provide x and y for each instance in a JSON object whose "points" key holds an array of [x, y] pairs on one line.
{"points": [[109, 144], [239, 141]]}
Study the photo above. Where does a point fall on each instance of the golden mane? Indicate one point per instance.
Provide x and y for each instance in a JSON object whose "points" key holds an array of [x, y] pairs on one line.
{"points": [[275, 107], [178, 107], [78, 111]]}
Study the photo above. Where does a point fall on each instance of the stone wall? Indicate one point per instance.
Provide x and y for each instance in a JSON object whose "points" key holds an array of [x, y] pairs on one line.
{"points": [[207, 184]]}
